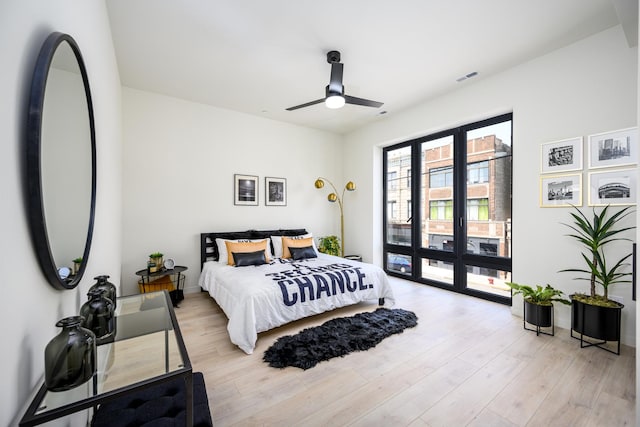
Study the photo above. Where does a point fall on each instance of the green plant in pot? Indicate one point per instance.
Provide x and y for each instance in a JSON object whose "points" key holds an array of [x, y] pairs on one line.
{"points": [[329, 245], [77, 262], [593, 314], [156, 261], [538, 304]]}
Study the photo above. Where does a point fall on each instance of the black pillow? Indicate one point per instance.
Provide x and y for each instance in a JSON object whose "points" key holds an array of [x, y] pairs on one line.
{"points": [[302, 253], [243, 259]]}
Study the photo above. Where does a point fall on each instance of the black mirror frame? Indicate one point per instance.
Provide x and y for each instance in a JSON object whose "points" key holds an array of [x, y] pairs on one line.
{"points": [[37, 221]]}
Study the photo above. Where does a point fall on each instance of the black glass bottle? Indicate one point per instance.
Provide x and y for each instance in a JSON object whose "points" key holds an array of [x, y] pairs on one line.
{"points": [[98, 314], [70, 357], [110, 288]]}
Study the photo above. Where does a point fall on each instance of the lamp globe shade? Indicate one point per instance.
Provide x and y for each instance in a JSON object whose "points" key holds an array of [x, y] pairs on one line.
{"points": [[334, 101]]}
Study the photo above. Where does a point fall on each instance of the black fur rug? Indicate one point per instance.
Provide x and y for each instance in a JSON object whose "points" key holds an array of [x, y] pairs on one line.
{"points": [[338, 337]]}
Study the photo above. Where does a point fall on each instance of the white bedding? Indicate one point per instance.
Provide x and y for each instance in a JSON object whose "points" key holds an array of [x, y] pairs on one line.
{"points": [[259, 298]]}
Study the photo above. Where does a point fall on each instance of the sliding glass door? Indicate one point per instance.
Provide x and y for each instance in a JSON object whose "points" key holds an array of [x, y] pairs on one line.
{"points": [[458, 234], [399, 208]]}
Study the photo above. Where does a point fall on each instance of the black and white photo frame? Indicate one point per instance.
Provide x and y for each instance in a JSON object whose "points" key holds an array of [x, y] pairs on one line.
{"points": [[564, 190], [561, 156], [245, 190], [613, 149], [613, 187], [275, 191]]}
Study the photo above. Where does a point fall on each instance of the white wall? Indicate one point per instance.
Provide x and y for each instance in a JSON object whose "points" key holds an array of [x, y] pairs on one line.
{"points": [[31, 307], [588, 87], [179, 162]]}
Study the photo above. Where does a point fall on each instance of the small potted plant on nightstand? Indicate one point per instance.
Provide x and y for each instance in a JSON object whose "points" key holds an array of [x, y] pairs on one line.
{"points": [[156, 260], [329, 245], [538, 305], [76, 265]]}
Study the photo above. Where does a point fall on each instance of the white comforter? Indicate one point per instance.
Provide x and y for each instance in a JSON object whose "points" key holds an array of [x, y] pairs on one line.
{"points": [[259, 298]]}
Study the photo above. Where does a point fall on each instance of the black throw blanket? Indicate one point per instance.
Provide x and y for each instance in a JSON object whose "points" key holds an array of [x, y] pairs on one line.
{"points": [[338, 337]]}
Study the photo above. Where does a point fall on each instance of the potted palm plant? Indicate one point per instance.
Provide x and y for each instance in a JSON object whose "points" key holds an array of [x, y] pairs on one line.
{"points": [[538, 305], [595, 315]]}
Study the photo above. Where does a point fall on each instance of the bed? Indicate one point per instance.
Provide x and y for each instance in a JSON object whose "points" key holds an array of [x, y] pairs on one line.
{"points": [[291, 282]]}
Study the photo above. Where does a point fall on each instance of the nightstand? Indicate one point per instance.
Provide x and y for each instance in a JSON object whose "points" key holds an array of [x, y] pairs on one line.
{"points": [[171, 280]]}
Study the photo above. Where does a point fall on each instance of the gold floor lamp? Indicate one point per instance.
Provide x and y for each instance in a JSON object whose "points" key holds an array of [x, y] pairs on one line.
{"points": [[333, 197]]}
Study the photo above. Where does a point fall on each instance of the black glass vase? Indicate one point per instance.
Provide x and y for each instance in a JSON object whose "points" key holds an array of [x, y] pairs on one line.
{"points": [[69, 358], [110, 288], [98, 314]]}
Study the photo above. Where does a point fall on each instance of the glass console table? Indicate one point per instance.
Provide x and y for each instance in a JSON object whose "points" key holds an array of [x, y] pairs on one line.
{"points": [[147, 350]]}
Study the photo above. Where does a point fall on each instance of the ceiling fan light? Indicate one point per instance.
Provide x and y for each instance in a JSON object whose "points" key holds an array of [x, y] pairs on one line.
{"points": [[334, 101]]}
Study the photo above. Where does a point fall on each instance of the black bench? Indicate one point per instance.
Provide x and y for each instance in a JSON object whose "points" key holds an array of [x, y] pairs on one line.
{"points": [[157, 406]]}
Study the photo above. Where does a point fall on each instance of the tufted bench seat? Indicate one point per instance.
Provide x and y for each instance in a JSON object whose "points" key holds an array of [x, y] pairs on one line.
{"points": [[158, 406]]}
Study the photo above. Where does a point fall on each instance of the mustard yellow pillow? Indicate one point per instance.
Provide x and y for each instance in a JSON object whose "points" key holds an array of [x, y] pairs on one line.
{"points": [[288, 242], [244, 247]]}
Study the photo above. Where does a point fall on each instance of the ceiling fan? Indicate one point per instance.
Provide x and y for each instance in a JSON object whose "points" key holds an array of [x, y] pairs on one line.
{"points": [[335, 97]]}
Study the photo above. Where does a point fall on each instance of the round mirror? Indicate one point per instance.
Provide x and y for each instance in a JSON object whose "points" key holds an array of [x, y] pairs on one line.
{"points": [[61, 162]]}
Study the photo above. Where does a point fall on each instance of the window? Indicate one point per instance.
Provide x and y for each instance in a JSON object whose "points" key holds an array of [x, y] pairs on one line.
{"points": [[392, 179], [441, 209], [478, 209], [441, 177], [457, 231], [391, 209], [478, 172]]}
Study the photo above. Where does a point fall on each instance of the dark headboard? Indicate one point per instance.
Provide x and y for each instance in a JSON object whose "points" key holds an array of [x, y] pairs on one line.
{"points": [[209, 249]]}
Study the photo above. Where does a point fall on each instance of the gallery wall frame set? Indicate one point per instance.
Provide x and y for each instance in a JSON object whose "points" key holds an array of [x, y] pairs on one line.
{"points": [[560, 191], [615, 187], [275, 191], [613, 149], [246, 190], [613, 152], [561, 156]]}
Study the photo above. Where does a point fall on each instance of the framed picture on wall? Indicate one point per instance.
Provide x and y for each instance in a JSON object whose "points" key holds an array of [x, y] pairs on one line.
{"points": [[275, 190], [245, 190], [557, 191], [613, 187], [561, 156], [616, 148]]}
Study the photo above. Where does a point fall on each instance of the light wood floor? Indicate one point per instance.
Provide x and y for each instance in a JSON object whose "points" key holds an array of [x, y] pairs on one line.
{"points": [[468, 363]]}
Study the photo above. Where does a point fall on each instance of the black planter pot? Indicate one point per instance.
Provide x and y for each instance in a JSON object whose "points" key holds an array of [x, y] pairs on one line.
{"points": [[599, 323], [541, 316]]}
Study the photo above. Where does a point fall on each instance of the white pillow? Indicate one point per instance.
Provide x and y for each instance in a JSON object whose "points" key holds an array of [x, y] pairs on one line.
{"points": [[277, 243], [223, 256]]}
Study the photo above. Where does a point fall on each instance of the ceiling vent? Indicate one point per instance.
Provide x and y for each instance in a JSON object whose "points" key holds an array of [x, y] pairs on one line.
{"points": [[468, 76]]}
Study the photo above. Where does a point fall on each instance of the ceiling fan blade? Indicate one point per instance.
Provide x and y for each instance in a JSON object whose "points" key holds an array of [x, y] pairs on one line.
{"points": [[364, 102], [335, 84], [317, 101]]}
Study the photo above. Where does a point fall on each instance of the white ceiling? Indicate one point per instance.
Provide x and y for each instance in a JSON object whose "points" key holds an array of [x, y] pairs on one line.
{"points": [[260, 57]]}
